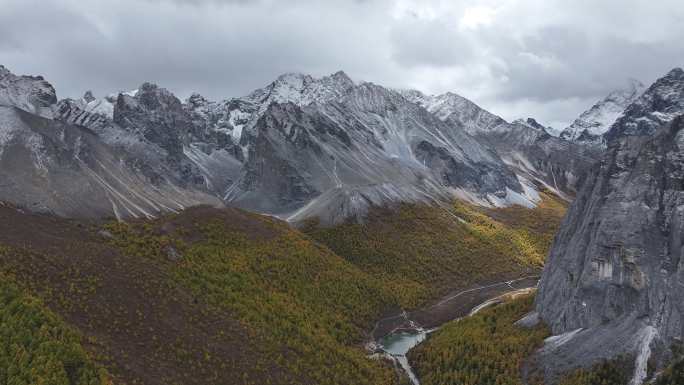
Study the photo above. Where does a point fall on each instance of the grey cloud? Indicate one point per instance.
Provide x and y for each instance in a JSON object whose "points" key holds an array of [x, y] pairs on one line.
{"points": [[549, 58], [426, 43]]}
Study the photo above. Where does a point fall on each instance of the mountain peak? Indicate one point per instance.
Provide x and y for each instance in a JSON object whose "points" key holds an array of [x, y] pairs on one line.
{"points": [[302, 89], [197, 100], [661, 103], [29, 93], [593, 123], [530, 122], [292, 78], [341, 75], [676, 72], [88, 96]]}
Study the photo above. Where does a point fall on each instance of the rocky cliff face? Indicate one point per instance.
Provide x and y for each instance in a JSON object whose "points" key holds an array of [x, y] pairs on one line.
{"points": [[613, 281], [657, 106]]}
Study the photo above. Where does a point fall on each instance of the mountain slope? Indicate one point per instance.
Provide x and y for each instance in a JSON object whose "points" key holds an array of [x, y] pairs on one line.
{"points": [[596, 121], [457, 111], [423, 252], [207, 296], [524, 145], [370, 147], [298, 148], [612, 277], [54, 166], [555, 163]]}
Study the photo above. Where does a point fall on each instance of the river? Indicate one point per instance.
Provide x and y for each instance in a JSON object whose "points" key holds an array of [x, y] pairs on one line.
{"points": [[399, 342]]}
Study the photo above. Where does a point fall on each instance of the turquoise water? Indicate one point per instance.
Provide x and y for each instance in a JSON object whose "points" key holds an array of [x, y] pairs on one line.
{"points": [[398, 344]]}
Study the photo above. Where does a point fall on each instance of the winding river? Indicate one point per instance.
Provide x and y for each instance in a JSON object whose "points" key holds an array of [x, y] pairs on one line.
{"points": [[399, 342]]}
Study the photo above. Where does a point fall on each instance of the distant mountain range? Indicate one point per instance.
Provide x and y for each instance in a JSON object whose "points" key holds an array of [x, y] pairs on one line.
{"points": [[301, 147]]}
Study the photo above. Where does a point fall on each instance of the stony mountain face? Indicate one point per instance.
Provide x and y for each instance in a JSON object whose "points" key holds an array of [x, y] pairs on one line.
{"points": [[557, 164], [657, 106], [29, 93], [370, 146], [613, 281], [524, 145], [590, 127], [50, 164], [458, 111], [300, 147]]}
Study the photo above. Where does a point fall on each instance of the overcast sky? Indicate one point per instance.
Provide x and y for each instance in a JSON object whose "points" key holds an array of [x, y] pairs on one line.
{"points": [[550, 59]]}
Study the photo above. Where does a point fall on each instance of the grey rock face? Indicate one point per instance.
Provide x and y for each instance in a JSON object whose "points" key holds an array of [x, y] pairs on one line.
{"points": [[657, 106], [557, 164], [524, 145], [302, 146], [50, 161], [29, 93], [615, 270], [371, 145], [458, 111]]}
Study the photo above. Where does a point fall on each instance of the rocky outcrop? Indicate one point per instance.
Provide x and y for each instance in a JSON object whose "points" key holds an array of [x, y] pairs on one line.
{"points": [[612, 282], [29, 93], [658, 105]]}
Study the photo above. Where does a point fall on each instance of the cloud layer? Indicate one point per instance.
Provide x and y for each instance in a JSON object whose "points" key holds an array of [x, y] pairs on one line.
{"points": [[549, 59]]}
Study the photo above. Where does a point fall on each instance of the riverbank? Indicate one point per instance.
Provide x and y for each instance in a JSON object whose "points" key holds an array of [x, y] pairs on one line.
{"points": [[405, 331], [454, 305]]}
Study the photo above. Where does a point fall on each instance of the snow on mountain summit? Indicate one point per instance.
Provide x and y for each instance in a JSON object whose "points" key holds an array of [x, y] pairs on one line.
{"points": [[302, 89], [596, 121], [456, 109]]}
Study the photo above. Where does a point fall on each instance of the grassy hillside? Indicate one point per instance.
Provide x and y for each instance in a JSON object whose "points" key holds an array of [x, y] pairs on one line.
{"points": [[204, 297], [422, 251], [673, 375], [480, 350], [36, 347], [135, 320], [308, 305], [226, 297]]}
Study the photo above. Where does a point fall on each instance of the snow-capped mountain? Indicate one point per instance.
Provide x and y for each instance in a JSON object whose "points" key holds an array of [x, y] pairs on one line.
{"points": [[524, 145], [593, 123], [532, 123], [49, 164], [654, 108], [300, 147], [457, 110], [362, 144]]}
